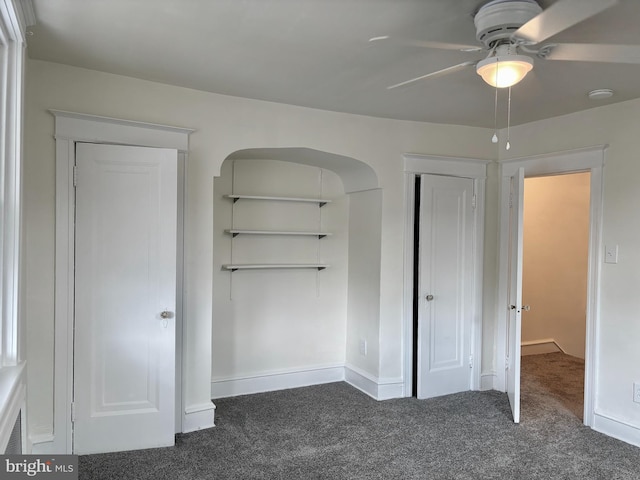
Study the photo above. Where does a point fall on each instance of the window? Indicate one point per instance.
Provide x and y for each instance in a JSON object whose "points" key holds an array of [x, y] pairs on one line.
{"points": [[14, 17]]}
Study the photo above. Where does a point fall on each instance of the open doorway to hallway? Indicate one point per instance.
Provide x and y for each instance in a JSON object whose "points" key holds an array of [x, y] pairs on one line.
{"points": [[555, 277]]}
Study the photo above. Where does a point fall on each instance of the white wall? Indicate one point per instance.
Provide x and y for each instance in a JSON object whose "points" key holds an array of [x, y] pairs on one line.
{"points": [[364, 282], [618, 355], [555, 260], [270, 322], [227, 124], [224, 125]]}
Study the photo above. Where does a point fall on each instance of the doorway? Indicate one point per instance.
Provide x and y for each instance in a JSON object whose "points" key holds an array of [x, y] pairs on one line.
{"points": [[72, 129], [508, 345], [555, 273], [443, 327]]}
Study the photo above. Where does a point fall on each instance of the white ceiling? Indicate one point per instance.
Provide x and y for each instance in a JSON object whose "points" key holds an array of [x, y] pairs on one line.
{"points": [[315, 53]]}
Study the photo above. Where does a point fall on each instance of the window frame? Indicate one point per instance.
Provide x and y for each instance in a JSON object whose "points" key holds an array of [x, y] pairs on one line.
{"points": [[15, 17]]}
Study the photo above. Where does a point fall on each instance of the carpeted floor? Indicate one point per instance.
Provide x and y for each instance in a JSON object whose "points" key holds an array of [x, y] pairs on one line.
{"points": [[557, 377], [336, 432]]}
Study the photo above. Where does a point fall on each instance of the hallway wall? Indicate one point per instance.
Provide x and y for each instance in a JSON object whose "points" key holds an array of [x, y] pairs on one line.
{"points": [[555, 259]]}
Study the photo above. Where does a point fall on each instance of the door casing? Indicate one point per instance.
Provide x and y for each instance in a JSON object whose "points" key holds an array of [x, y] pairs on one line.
{"points": [[71, 128], [476, 170], [590, 159]]}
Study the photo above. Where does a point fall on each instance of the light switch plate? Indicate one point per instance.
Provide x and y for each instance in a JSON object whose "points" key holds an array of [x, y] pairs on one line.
{"points": [[611, 254]]}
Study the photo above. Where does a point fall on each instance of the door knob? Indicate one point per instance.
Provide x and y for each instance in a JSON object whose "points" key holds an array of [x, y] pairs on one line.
{"points": [[166, 315], [429, 298]]}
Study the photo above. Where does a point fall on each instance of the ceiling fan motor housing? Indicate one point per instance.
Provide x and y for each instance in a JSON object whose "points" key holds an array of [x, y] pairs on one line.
{"points": [[499, 19]]}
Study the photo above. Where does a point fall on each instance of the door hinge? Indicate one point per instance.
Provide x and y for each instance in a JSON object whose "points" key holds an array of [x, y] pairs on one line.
{"points": [[506, 363], [75, 176], [73, 412], [473, 201], [511, 200], [471, 361]]}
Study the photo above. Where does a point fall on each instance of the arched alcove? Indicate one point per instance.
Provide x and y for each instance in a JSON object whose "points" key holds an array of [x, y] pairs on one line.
{"points": [[283, 328], [355, 174]]}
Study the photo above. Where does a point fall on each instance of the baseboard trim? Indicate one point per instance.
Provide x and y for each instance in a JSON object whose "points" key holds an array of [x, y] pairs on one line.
{"points": [[488, 381], [41, 444], [198, 417], [616, 428], [376, 388], [271, 381], [542, 346]]}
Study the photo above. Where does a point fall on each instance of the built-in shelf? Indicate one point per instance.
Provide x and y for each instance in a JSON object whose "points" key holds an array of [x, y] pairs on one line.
{"points": [[236, 232], [321, 202], [263, 266]]}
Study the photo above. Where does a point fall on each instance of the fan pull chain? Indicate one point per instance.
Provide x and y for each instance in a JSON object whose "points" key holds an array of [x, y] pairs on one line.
{"points": [[508, 120], [494, 139]]}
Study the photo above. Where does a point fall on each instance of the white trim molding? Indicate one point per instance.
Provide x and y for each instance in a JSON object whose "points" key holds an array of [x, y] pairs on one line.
{"points": [[79, 127], [82, 127], [589, 159], [487, 381], [539, 347], [198, 417], [616, 428], [41, 443], [276, 380], [475, 169], [376, 388]]}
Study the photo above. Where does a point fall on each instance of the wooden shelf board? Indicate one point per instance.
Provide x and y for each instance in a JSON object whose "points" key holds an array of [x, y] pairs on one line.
{"points": [[264, 266], [319, 201], [235, 232]]}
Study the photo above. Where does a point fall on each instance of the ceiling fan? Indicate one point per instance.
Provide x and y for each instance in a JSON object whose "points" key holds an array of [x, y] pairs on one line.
{"points": [[513, 32]]}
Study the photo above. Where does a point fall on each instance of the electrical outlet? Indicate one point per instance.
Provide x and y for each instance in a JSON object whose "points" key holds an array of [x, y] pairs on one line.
{"points": [[636, 392], [363, 347]]}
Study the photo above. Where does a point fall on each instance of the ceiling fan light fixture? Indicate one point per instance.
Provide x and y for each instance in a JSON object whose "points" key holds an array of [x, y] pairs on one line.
{"points": [[504, 71]]}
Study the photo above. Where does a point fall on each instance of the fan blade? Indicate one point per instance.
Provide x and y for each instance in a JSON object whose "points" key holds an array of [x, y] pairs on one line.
{"points": [[438, 73], [560, 16], [426, 44], [586, 52]]}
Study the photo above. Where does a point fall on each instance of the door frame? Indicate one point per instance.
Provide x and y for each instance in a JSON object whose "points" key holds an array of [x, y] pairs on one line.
{"points": [[76, 127], [590, 159], [476, 170]]}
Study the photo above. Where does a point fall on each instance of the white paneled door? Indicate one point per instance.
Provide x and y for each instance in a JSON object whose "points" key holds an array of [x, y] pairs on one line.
{"points": [[125, 287], [445, 305], [514, 309]]}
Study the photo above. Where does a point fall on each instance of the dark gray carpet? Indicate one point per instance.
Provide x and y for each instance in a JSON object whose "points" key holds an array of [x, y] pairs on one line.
{"points": [[336, 432]]}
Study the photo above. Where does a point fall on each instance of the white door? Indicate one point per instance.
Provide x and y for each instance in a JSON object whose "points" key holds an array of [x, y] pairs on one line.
{"points": [[445, 306], [514, 309], [125, 286]]}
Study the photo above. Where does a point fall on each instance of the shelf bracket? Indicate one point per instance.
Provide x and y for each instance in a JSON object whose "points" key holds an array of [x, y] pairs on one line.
{"points": [[321, 236], [322, 204], [234, 234], [321, 268]]}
